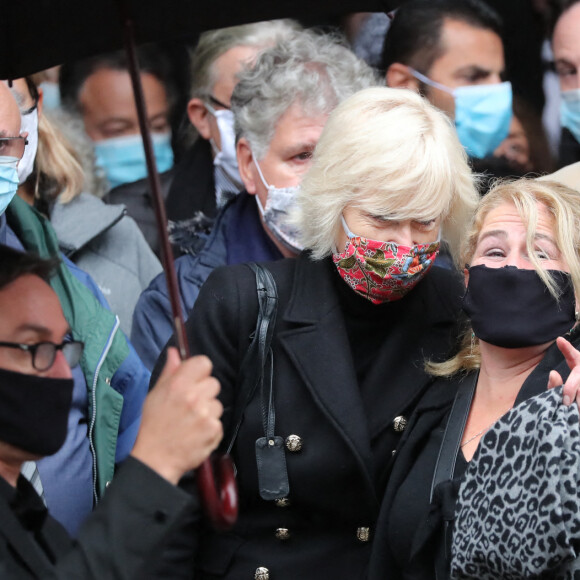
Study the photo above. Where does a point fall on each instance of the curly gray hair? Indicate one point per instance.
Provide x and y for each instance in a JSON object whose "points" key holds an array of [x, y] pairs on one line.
{"points": [[316, 70]]}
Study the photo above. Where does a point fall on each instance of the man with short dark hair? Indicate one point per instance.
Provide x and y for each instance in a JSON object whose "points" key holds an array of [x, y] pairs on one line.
{"points": [[452, 52], [180, 428], [99, 90]]}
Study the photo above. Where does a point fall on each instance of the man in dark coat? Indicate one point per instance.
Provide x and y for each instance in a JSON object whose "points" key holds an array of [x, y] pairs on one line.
{"points": [[180, 427]]}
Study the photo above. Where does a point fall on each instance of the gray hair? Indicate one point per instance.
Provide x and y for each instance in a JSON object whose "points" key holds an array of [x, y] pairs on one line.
{"points": [[213, 43], [313, 69]]}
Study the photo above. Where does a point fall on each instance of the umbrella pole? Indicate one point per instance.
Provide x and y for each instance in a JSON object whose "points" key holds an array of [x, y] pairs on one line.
{"points": [[221, 509]]}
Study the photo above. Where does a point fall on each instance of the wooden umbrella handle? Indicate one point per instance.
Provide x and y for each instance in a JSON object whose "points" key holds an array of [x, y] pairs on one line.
{"points": [[221, 508]]}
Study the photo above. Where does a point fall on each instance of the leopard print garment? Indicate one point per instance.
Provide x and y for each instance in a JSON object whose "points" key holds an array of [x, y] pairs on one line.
{"points": [[518, 511]]}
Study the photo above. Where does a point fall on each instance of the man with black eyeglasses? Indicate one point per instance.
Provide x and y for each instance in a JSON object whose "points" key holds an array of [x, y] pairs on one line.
{"points": [[110, 384], [180, 428]]}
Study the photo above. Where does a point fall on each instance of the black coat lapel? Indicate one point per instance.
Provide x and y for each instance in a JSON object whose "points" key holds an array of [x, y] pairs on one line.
{"points": [[320, 351], [426, 327]]}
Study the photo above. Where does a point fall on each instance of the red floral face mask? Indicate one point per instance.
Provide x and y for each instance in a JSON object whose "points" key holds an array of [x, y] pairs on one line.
{"points": [[383, 271]]}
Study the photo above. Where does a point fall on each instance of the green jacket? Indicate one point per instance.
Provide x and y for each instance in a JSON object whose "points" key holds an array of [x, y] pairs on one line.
{"points": [[106, 349]]}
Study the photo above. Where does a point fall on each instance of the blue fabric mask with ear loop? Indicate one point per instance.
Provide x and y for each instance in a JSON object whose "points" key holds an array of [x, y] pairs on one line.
{"points": [[123, 158], [570, 112], [8, 180], [483, 114]]}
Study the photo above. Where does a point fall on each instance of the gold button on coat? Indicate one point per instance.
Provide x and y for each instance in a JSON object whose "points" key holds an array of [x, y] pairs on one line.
{"points": [[293, 443], [282, 502], [262, 574], [363, 534], [399, 424], [282, 534]]}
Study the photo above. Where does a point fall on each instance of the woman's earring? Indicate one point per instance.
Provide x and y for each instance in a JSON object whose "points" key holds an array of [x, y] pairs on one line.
{"points": [[472, 343]]}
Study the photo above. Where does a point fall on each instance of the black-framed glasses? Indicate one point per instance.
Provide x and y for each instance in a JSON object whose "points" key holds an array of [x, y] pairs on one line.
{"points": [[12, 147], [44, 353], [217, 102]]}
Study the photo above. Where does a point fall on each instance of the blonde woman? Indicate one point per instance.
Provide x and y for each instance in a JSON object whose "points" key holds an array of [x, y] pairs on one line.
{"points": [[522, 278]]}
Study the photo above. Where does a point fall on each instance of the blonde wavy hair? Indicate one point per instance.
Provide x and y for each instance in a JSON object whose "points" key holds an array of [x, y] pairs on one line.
{"points": [[59, 171], [563, 204], [389, 152]]}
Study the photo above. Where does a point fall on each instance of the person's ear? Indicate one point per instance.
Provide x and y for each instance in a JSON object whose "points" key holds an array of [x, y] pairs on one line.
{"points": [[399, 77], [199, 117], [40, 101], [466, 275], [246, 165]]}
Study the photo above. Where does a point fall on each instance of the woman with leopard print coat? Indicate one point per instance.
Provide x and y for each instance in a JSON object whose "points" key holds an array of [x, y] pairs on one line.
{"points": [[522, 282]]}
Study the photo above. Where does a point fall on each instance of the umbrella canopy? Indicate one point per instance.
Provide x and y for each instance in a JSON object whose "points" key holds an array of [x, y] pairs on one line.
{"points": [[44, 33]]}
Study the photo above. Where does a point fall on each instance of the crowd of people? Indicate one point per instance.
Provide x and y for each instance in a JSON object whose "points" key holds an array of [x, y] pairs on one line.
{"points": [[376, 235]]}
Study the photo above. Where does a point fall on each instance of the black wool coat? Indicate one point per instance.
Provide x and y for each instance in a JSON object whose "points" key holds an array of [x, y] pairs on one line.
{"points": [[321, 531]]}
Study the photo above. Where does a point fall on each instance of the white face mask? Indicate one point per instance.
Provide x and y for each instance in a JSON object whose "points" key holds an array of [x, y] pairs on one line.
{"points": [[227, 175], [275, 214], [29, 124]]}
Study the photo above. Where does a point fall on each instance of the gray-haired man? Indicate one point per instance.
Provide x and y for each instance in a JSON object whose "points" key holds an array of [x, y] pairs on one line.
{"points": [[208, 173], [280, 105]]}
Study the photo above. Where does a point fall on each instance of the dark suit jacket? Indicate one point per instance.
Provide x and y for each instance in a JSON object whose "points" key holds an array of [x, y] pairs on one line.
{"points": [[332, 487], [117, 542], [193, 186], [431, 413]]}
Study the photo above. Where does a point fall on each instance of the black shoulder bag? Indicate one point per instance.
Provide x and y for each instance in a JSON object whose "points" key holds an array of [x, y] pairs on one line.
{"points": [[258, 369], [445, 467]]}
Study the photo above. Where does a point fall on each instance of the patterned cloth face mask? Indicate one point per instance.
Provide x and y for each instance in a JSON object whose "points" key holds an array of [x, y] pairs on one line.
{"points": [[275, 215], [383, 271]]}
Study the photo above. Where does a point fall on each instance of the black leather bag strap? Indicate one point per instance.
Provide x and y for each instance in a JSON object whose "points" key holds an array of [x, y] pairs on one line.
{"points": [[445, 466], [253, 365]]}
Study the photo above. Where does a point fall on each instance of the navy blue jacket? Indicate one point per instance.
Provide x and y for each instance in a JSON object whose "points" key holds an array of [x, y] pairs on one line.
{"points": [[238, 236]]}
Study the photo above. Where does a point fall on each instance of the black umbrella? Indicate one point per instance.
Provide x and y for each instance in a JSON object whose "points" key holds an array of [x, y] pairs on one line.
{"points": [[45, 33]]}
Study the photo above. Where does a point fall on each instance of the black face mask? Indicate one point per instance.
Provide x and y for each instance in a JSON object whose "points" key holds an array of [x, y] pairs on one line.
{"points": [[34, 411], [513, 308]]}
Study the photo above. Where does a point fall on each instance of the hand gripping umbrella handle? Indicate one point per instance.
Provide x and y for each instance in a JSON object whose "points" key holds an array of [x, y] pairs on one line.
{"points": [[221, 508]]}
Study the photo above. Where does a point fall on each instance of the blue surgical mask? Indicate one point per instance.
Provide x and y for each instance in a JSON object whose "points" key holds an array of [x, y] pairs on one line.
{"points": [[8, 180], [123, 158], [483, 114], [570, 112], [50, 95]]}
